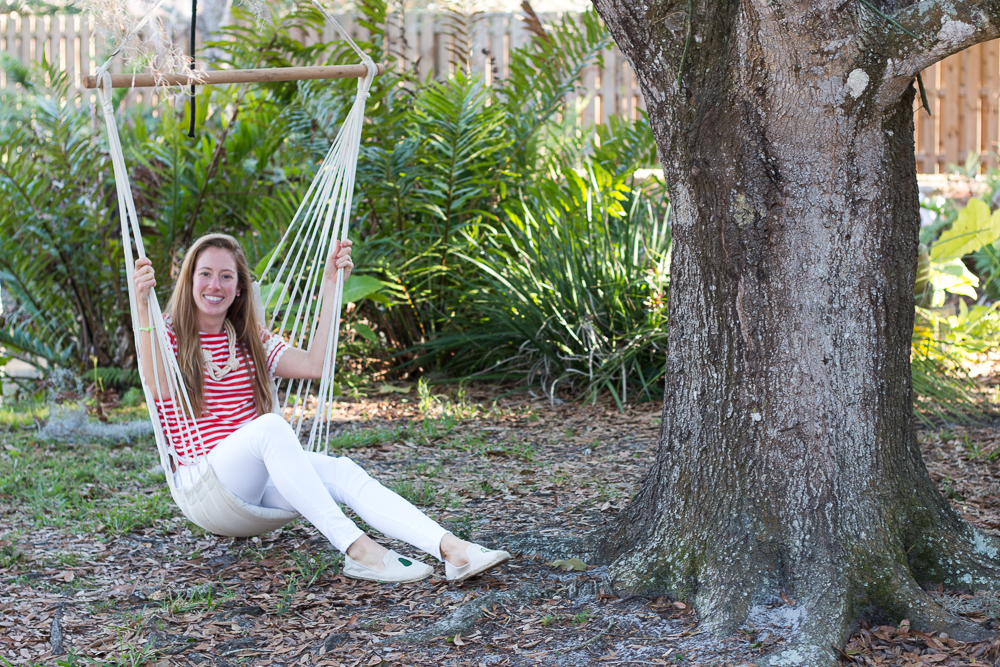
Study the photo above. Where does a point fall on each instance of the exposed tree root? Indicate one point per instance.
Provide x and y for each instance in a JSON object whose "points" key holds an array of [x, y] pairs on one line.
{"points": [[926, 615], [825, 625], [828, 621], [958, 556], [462, 619], [546, 546]]}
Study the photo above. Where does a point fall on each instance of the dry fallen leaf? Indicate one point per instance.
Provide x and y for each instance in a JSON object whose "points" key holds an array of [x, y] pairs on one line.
{"points": [[458, 640], [389, 389], [570, 564]]}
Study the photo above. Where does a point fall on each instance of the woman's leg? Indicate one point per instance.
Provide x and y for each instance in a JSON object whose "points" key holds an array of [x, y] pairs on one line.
{"points": [[267, 451], [384, 510]]}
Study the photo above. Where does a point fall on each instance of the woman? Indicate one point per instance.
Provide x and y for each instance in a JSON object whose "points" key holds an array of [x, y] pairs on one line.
{"points": [[219, 343]]}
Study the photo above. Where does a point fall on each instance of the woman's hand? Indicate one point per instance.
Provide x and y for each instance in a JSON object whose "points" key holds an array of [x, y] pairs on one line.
{"points": [[144, 280], [340, 258]]}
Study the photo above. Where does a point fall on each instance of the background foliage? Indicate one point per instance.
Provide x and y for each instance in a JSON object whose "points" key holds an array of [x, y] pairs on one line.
{"points": [[464, 190], [498, 237]]}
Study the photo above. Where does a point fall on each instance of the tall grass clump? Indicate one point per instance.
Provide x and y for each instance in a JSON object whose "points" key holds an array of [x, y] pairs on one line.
{"points": [[575, 290]]}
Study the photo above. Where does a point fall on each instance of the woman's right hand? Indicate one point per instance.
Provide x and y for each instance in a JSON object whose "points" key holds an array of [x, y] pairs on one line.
{"points": [[144, 280]]}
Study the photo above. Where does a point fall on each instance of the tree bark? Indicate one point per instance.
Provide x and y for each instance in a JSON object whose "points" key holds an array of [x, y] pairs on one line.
{"points": [[788, 460]]}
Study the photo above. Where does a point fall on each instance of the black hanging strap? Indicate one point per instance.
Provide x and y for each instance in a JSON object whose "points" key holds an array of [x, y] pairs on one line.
{"points": [[191, 97]]}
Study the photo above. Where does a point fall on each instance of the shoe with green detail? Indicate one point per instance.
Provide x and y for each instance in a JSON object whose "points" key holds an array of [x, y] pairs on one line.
{"points": [[398, 569], [480, 560]]}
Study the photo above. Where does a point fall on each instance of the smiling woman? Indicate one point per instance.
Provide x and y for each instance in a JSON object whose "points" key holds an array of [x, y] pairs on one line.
{"points": [[227, 358]]}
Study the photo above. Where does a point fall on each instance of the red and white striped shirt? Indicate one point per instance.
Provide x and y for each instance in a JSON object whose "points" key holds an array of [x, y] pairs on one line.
{"points": [[228, 402]]}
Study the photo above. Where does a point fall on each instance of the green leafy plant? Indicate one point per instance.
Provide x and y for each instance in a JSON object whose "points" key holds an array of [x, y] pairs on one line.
{"points": [[577, 291], [944, 339], [312, 566]]}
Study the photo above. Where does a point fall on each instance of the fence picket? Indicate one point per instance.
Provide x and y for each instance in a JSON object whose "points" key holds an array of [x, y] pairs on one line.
{"points": [[970, 134], [989, 91]]}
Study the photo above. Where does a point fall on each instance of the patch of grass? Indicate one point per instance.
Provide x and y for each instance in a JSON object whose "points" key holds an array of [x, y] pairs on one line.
{"points": [[68, 559], [978, 451], [467, 442], [367, 437], [10, 554], [548, 620], [420, 493], [462, 529], [311, 566], [582, 617], [128, 655], [286, 596], [203, 598], [124, 518], [520, 450], [60, 484], [431, 429], [427, 469], [23, 414], [101, 606], [423, 432]]}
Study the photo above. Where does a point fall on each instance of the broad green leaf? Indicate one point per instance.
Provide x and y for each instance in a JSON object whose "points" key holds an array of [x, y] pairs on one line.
{"points": [[570, 564], [973, 229], [365, 332], [358, 287], [954, 277], [262, 264], [270, 294]]}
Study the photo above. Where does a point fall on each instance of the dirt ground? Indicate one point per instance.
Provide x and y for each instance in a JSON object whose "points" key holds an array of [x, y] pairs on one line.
{"points": [[170, 594]]}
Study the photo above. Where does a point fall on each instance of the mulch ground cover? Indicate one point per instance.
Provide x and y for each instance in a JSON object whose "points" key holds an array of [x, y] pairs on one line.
{"points": [[170, 594]]}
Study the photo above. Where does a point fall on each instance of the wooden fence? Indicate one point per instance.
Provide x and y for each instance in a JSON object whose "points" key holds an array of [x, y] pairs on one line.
{"points": [[424, 41], [963, 91]]}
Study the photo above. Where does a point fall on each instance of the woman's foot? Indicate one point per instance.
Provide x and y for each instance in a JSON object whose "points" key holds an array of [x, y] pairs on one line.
{"points": [[466, 559], [366, 551], [369, 560], [453, 550]]}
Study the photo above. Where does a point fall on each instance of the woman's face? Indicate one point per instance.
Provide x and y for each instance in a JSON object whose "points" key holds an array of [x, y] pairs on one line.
{"points": [[215, 282]]}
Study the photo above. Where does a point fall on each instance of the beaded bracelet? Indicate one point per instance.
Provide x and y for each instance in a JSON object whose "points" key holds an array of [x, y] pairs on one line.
{"points": [[148, 329]]}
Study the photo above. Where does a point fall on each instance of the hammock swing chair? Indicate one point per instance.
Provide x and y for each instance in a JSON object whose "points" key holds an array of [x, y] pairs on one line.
{"points": [[293, 293]]}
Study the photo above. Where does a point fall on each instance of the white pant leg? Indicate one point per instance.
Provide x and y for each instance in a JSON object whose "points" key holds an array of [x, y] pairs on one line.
{"points": [[384, 510], [267, 450]]}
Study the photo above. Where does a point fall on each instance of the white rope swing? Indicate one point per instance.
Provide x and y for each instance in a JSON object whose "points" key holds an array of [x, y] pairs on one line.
{"points": [[294, 295]]}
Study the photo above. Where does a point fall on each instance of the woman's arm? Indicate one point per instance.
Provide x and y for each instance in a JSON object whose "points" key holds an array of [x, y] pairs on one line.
{"points": [[299, 363], [145, 279]]}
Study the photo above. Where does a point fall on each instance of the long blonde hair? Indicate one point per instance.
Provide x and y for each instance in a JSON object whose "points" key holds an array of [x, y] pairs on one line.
{"points": [[241, 313]]}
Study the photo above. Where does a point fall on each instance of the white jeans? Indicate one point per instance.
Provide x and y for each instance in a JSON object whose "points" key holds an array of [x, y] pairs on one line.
{"points": [[264, 464]]}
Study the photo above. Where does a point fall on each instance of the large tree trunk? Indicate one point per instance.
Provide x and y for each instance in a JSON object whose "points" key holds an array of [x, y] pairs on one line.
{"points": [[788, 460]]}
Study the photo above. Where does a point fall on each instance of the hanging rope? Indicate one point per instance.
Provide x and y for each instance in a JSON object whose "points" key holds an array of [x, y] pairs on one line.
{"points": [[294, 296], [191, 98]]}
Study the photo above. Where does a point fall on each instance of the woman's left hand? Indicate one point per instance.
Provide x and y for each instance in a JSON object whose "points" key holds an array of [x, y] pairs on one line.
{"points": [[340, 258]]}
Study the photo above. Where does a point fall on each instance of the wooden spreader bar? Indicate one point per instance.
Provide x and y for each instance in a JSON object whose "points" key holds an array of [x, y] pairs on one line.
{"points": [[265, 75]]}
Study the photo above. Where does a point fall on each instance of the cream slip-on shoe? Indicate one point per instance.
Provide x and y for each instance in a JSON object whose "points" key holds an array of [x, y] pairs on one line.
{"points": [[480, 560], [398, 569]]}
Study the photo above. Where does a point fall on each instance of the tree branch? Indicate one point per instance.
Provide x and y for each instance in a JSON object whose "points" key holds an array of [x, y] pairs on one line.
{"points": [[930, 31]]}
